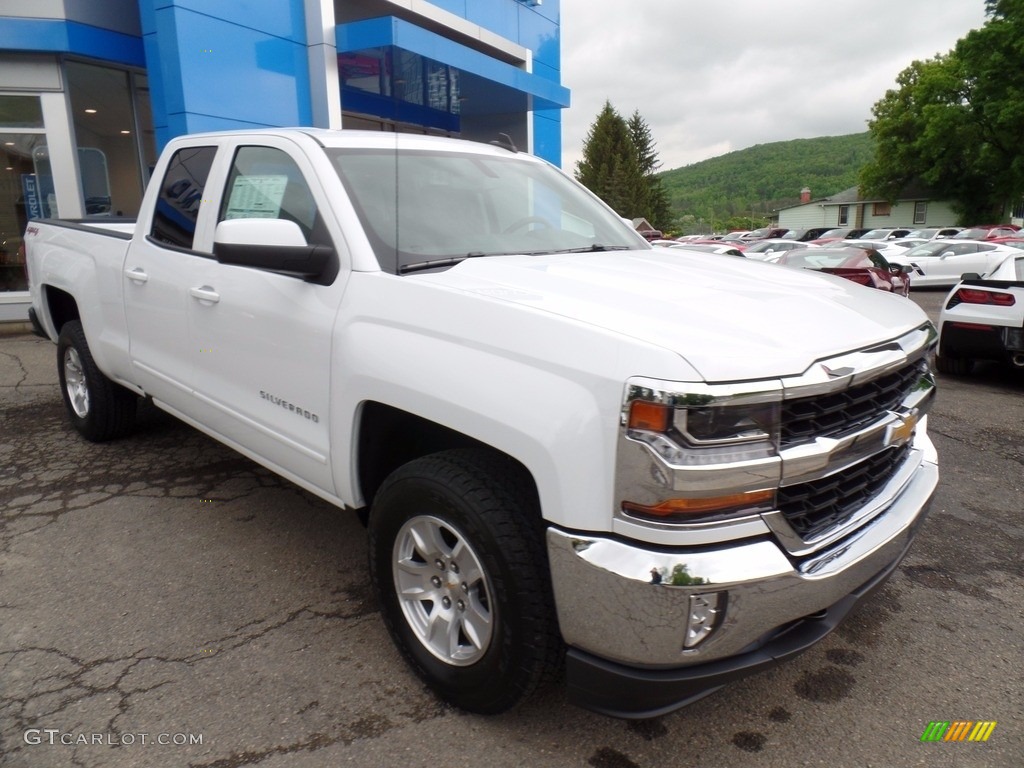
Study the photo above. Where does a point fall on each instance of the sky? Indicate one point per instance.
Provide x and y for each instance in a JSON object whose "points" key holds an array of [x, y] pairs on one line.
{"points": [[714, 76]]}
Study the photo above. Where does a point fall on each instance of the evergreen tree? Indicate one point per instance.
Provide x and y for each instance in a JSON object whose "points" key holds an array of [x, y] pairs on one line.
{"points": [[610, 168], [656, 203], [620, 164]]}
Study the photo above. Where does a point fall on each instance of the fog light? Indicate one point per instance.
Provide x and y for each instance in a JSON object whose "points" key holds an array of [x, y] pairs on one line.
{"points": [[706, 611]]}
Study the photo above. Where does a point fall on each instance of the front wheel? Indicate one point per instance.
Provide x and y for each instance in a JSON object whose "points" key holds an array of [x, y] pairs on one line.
{"points": [[458, 561], [99, 408]]}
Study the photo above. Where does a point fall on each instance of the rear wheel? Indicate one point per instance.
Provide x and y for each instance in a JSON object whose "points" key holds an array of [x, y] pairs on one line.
{"points": [[954, 366], [98, 408], [458, 560]]}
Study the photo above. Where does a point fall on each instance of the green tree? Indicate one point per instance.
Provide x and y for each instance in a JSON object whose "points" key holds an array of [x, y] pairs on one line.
{"points": [[956, 122], [612, 168], [656, 203]]}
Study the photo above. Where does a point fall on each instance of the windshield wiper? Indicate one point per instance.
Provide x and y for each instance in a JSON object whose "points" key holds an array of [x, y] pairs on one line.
{"points": [[594, 248], [448, 261]]}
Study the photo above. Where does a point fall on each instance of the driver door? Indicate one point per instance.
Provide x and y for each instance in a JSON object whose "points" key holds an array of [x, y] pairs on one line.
{"points": [[262, 340]]}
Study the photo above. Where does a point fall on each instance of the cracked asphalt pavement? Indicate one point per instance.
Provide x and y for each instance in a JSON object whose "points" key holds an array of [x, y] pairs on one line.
{"points": [[163, 588]]}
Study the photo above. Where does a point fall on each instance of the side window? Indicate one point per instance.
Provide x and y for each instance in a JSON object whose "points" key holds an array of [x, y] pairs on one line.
{"points": [[181, 192], [265, 183]]}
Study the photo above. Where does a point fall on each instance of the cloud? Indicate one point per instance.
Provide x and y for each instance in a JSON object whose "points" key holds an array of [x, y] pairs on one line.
{"points": [[712, 76]]}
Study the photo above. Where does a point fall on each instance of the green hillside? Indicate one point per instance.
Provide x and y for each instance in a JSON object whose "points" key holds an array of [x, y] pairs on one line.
{"points": [[751, 183]]}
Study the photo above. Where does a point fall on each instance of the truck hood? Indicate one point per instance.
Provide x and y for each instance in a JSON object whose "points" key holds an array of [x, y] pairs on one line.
{"points": [[729, 318]]}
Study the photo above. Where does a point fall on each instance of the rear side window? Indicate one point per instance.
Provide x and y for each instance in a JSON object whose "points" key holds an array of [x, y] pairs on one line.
{"points": [[181, 192]]}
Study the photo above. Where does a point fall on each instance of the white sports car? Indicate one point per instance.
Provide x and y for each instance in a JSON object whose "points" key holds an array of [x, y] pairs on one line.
{"points": [[941, 262], [983, 319]]}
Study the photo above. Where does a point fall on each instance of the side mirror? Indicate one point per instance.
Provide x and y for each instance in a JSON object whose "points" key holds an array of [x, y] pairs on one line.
{"points": [[902, 269], [274, 245]]}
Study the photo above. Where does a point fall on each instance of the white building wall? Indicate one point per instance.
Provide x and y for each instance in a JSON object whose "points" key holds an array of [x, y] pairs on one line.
{"points": [[808, 216], [938, 214]]}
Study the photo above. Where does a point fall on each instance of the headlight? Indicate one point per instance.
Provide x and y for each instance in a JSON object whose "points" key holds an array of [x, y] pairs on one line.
{"points": [[720, 425], [705, 434], [692, 431]]}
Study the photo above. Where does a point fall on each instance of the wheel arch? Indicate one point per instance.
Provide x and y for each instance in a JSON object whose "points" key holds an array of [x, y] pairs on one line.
{"points": [[389, 437], [61, 307]]}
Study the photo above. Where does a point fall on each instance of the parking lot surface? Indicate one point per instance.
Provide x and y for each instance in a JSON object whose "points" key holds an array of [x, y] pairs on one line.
{"points": [[166, 602]]}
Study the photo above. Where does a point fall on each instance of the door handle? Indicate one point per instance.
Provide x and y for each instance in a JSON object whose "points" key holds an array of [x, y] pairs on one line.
{"points": [[136, 275], [204, 293]]}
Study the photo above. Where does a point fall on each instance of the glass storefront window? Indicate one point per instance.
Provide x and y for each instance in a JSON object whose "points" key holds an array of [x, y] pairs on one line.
{"points": [[107, 138], [409, 76], [26, 192], [21, 112], [144, 125]]}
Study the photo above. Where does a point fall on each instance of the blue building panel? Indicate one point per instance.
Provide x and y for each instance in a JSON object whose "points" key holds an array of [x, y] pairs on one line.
{"points": [[214, 64], [550, 10], [210, 70], [61, 36], [548, 73], [541, 36], [547, 135], [196, 123], [500, 17], [390, 31], [282, 18]]}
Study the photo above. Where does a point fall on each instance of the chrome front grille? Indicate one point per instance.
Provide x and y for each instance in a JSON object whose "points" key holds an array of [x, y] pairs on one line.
{"points": [[839, 413], [815, 507]]}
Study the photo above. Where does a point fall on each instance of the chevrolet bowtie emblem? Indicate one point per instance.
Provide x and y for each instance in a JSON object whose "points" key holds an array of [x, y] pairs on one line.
{"points": [[900, 432]]}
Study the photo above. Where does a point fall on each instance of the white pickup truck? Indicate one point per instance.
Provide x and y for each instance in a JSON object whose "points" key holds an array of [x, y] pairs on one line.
{"points": [[661, 470]]}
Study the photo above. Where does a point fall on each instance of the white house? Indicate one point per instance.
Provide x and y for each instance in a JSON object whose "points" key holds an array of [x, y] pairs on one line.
{"points": [[914, 208]]}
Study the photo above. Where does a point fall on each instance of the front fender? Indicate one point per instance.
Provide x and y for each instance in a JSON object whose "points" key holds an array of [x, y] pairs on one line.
{"points": [[541, 388]]}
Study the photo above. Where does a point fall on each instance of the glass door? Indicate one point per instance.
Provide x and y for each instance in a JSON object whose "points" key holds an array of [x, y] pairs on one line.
{"points": [[25, 192]]}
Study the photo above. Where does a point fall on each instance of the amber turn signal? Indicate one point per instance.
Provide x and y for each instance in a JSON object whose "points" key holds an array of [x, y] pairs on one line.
{"points": [[672, 507], [653, 417]]}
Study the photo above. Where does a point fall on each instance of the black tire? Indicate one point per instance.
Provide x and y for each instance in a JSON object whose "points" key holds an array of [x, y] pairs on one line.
{"points": [[954, 366], [485, 506], [99, 408]]}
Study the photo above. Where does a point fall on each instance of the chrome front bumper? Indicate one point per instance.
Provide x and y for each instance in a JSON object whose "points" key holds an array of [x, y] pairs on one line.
{"points": [[609, 607]]}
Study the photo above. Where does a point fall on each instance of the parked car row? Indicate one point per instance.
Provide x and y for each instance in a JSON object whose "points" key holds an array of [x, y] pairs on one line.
{"points": [[817, 234], [935, 262], [982, 317]]}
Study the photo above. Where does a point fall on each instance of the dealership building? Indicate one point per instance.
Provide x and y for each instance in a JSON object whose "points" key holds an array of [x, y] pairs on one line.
{"points": [[91, 91]]}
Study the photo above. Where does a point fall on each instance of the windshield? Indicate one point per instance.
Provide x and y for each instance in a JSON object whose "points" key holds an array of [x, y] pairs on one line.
{"points": [[928, 249], [823, 258], [424, 209], [971, 234]]}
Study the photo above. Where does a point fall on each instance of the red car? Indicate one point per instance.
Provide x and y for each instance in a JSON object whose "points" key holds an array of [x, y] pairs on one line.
{"points": [[988, 232], [737, 244], [861, 265]]}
